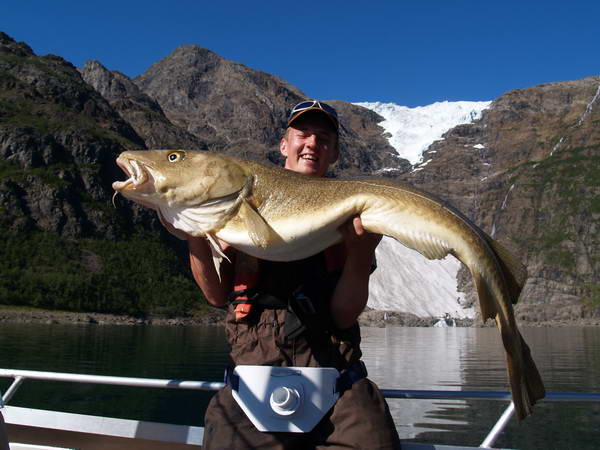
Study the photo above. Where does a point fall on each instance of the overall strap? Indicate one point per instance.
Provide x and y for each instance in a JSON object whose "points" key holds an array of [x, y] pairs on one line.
{"points": [[335, 257], [246, 293], [247, 272]]}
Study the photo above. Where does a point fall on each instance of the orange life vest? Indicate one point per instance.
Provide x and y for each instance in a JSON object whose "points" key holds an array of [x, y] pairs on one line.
{"points": [[247, 276]]}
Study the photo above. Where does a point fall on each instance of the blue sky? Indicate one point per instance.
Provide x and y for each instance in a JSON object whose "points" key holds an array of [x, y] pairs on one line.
{"points": [[410, 53]]}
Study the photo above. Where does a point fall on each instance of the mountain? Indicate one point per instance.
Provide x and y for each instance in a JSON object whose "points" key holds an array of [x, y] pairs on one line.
{"points": [[242, 111], [528, 172], [61, 137], [64, 246], [139, 110], [413, 130], [405, 280], [525, 169]]}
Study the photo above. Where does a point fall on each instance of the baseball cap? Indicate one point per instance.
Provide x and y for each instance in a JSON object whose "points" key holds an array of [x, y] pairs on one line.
{"points": [[314, 105]]}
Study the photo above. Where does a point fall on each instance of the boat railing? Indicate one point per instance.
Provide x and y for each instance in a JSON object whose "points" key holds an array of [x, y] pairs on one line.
{"points": [[20, 376]]}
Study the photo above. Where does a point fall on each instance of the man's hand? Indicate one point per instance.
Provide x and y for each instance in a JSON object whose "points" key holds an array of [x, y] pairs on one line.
{"points": [[360, 244]]}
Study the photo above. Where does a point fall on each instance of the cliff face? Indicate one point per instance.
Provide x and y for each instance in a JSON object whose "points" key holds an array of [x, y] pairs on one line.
{"points": [[139, 110], [64, 246], [529, 173], [58, 141]]}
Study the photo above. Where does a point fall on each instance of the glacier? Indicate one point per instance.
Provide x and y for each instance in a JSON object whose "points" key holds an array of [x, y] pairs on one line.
{"points": [[405, 281], [412, 130]]}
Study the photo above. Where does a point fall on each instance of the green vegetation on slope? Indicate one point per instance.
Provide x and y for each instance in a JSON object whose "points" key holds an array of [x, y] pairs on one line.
{"points": [[139, 276], [569, 181]]}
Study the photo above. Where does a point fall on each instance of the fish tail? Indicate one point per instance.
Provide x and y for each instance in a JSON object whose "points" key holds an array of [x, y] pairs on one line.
{"points": [[513, 276], [525, 381], [524, 378]]}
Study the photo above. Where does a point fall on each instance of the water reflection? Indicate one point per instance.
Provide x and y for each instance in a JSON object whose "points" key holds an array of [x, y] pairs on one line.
{"points": [[417, 358], [474, 359]]}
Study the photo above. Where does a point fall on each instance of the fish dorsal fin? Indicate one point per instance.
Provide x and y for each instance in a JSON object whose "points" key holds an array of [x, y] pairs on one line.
{"points": [[514, 271], [260, 232], [217, 253]]}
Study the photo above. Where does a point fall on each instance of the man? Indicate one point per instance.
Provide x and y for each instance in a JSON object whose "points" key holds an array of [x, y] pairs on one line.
{"points": [[270, 324]]}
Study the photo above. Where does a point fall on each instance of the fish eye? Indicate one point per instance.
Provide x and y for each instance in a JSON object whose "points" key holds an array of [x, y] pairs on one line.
{"points": [[175, 156]]}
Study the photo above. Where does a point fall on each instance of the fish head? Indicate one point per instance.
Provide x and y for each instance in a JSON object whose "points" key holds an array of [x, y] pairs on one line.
{"points": [[177, 178]]}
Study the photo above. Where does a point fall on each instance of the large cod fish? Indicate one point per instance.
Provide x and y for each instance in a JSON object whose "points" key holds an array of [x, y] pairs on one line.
{"points": [[276, 214]]}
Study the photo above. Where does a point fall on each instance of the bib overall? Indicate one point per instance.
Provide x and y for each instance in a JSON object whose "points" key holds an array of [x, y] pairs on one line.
{"points": [[299, 334]]}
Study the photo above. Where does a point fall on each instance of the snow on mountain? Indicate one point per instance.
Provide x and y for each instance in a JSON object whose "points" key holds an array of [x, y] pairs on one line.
{"points": [[415, 129], [406, 281]]}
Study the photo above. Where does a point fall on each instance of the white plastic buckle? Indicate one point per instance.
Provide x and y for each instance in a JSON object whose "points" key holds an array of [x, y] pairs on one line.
{"points": [[292, 399]]}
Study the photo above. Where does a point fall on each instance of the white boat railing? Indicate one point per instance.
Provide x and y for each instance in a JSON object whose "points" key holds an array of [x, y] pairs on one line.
{"points": [[21, 375]]}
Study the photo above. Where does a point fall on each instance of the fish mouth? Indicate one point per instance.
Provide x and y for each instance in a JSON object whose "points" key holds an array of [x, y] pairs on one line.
{"points": [[138, 175], [139, 185]]}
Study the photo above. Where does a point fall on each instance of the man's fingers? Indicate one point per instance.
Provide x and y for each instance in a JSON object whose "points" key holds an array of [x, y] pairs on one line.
{"points": [[358, 226]]}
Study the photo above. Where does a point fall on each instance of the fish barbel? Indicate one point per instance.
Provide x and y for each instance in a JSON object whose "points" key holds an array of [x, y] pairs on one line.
{"points": [[279, 215]]}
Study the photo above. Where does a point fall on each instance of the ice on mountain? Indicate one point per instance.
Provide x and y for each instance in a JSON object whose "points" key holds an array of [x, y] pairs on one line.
{"points": [[413, 130]]}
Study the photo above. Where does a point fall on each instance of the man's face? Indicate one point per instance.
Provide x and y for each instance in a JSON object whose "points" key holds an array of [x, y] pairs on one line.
{"points": [[310, 145]]}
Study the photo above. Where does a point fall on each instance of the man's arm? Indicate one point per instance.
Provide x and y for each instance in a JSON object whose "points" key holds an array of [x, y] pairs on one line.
{"points": [[215, 290], [352, 290]]}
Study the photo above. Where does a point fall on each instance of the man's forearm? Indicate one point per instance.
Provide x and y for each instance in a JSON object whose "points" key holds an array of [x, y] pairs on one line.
{"points": [[215, 289], [351, 293], [352, 290]]}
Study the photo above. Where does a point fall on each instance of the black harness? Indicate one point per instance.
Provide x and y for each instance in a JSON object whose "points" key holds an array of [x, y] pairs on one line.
{"points": [[301, 310]]}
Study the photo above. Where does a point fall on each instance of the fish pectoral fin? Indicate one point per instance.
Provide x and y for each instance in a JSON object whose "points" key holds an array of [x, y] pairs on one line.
{"points": [[217, 253], [260, 232]]}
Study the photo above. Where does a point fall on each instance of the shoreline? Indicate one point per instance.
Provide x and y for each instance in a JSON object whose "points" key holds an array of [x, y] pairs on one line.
{"points": [[215, 317], [49, 317]]}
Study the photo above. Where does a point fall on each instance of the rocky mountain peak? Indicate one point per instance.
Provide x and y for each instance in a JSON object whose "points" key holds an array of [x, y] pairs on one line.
{"points": [[223, 102], [141, 111], [242, 111], [196, 56], [9, 46]]}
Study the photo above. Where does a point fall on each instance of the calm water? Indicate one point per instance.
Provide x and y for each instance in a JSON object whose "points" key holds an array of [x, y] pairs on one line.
{"points": [[403, 358]]}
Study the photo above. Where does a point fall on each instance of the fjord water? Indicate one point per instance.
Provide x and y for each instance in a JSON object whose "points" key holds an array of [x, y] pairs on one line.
{"points": [[401, 358]]}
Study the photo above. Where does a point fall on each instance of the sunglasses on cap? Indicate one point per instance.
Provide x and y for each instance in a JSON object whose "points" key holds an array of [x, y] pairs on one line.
{"points": [[313, 104]]}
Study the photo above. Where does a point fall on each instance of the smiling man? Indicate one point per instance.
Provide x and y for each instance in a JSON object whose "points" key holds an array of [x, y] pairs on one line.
{"points": [[301, 314], [310, 144]]}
